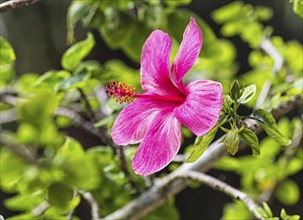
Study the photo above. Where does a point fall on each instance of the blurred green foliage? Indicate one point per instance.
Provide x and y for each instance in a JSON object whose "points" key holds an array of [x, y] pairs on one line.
{"points": [[63, 169]]}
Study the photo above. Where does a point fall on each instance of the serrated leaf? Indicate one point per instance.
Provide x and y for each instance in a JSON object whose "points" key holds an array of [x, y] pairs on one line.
{"points": [[252, 140], [201, 143], [231, 141], [268, 123], [247, 93], [77, 52]]}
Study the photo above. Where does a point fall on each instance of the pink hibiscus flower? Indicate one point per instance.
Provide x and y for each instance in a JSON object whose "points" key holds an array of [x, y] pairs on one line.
{"points": [[155, 117]]}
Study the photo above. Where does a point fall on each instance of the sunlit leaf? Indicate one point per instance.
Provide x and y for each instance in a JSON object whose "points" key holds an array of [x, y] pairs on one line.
{"points": [[228, 12], [268, 123], [7, 58], [252, 140], [77, 52], [231, 141], [267, 209], [247, 93], [25, 202], [201, 143], [177, 3], [298, 7]]}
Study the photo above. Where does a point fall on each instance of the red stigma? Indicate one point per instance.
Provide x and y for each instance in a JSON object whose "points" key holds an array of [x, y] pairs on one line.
{"points": [[121, 91]]}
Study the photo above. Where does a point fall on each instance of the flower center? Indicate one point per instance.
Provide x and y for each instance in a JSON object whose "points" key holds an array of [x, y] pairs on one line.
{"points": [[123, 92]]}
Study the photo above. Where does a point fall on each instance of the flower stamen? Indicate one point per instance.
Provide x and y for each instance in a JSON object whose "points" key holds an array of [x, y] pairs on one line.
{"points": [[121, 91]]}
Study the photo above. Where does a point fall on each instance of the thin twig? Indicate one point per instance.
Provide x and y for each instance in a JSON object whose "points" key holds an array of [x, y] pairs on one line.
{"points": [[164, 188], [223, 187], [12, 4], [93, 204]]}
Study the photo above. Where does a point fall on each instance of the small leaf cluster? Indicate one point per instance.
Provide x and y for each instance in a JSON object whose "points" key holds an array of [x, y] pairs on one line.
{"points": [[239, 95], [267, 213], [270, 173]]}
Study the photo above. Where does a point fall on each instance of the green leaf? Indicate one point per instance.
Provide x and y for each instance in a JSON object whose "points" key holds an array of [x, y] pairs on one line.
{"points": [[7, 54], [117, 29], [72, 57], [133, 44], [252, 140], [11, 168], [288, 192], [76, 11], [227, 104], [60, 196], [154, 16], [234, 91], [228, 164], [7, 58], [263, 13], [298, 7], [236, 210], [80, 172], [104, 121], [201, 143], [232, 11], [268, 123], [247, 93], [74, 81], [175, 3], [25, 202], [71, 147], [177, 22], [283, 214], [23, 216], [294, 217], [231, 141], [267, 209]]}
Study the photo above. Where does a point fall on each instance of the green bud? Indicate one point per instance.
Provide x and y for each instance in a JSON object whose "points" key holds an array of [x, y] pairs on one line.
{"points": [[235, 89]]}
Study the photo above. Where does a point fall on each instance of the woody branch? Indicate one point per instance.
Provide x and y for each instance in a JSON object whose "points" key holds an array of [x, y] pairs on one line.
{"points": [[12, 4]]}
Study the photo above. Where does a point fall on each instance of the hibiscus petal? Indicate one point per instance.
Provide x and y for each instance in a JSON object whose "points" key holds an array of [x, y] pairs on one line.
{"points": [[155, 64], [133, 121], [188, 52], [201, 109], [159, 146]]}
